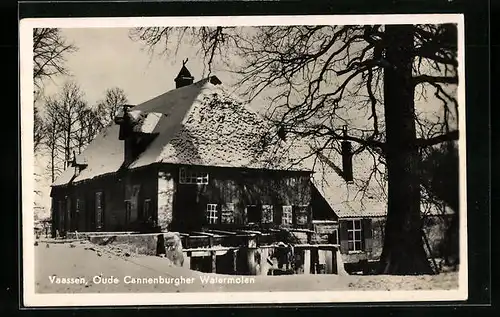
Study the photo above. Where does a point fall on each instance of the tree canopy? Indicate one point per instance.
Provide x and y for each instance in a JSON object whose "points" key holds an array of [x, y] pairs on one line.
{"points": [[356, 83]]}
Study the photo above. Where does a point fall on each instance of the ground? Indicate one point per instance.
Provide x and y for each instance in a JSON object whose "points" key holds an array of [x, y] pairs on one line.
{"points": [[81, 259]]}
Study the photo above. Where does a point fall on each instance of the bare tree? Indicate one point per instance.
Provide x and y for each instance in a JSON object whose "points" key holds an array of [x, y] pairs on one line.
{"points": [[364, 77], [52, 138], [65, 112], [39, 130], [49, 54], [50, 49], [439, 179], [213, 42], [107, 108], [90, 123]]}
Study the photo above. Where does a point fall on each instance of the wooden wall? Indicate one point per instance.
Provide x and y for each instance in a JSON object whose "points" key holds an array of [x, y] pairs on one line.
{"points": [[182, 207], [116, 189], [242, 188]]}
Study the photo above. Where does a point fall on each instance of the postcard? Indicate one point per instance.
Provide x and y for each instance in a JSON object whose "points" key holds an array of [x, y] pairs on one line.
{"points": [[243, 160]]}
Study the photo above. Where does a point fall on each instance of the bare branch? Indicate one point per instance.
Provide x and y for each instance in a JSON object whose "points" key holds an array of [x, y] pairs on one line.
{"points": [[435, 79]]}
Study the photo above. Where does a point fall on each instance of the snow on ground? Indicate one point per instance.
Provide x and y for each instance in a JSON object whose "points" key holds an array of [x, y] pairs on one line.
{"points": [[82, 259]]}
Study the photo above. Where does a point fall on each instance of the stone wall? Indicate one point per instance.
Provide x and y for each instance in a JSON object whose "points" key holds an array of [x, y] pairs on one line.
{"points": [[167, 244]]}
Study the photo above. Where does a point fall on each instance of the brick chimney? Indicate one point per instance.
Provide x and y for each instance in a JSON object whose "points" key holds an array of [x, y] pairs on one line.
{"points": [[184, 78]]}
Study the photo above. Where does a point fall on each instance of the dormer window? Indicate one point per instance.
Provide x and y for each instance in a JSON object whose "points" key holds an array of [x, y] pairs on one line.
{"points": [[187, 176], [79, 164]]}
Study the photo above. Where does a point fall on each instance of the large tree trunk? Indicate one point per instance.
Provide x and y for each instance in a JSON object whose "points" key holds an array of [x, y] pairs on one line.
{"points": [[403, 252]]}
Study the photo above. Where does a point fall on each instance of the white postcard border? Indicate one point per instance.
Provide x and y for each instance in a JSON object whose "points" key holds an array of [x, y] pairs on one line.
{"points": [[30, 298]]}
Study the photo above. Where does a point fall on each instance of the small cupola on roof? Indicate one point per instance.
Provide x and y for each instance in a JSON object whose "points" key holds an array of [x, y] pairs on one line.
{"points": [[184, 78]]}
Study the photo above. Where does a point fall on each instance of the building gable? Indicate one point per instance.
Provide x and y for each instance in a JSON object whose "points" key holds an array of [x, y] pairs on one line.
{"points": [[197, 124]]}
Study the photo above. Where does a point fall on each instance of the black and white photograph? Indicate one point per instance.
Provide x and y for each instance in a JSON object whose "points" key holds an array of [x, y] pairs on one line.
{"points": [[243, 160]]}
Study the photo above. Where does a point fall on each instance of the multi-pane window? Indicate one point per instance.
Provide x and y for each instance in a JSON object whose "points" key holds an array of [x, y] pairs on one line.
{"points": [[267, 214], [287, 215], [354, 235], [187, 176], [212, 214], [227, 214]]}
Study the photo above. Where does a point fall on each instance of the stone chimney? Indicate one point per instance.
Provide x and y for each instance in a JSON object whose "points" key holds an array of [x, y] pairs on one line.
{"points": [[346, 148], [79, 165], [125, 123], [126, 133], [184, 78]]}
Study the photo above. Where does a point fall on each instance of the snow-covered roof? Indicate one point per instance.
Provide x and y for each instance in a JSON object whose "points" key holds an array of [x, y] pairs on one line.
{"points": [[199, 124], [350, 199], [358, 199]]}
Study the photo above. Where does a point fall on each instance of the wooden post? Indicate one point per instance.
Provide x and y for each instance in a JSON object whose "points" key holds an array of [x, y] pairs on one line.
{"points": [[321, 259], [251, 261], [334, 261], [307, 261], [264, 266], [214, 261], [187, 261], [329, 261], [235, 261], [340, 263]]}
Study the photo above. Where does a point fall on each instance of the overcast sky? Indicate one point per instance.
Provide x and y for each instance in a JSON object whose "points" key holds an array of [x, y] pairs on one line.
{"points": [[109, 58]]}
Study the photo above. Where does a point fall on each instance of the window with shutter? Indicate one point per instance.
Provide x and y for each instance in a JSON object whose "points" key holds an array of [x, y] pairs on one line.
{"points": [[344, 249], [367, 235], [354, 235], [99, 210]]}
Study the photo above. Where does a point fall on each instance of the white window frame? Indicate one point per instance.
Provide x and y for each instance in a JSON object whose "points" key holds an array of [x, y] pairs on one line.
{"points": [[354, 240], [212, 214], [269, 208], [287, 215], [188, 176]]}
